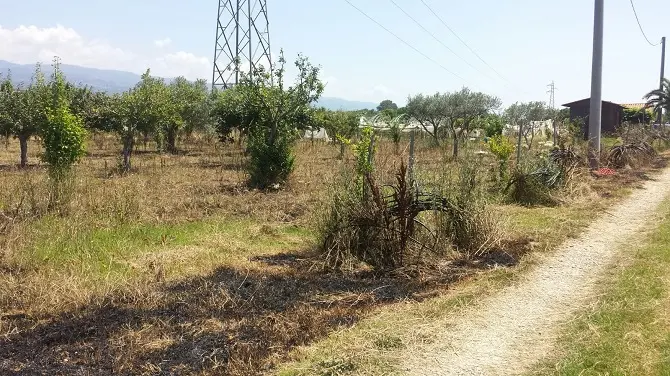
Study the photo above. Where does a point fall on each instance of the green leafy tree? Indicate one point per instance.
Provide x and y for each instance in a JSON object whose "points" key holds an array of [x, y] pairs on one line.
{"points": [[24, 110], [387, 104], [273, 115], [145, 109], [339, 125], [396, 125], [87, 104], [63, 134], [463, 109], [231, 112], [493, 125], [6, 107], [637, 115], [187, 109], [430, 111], [527, 117]]}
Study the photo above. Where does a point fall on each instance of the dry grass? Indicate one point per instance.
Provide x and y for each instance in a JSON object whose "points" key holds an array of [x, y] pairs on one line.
{"points": [[179, 261]]}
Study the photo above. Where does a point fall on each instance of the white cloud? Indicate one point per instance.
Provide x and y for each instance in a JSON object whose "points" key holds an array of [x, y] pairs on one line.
{"points": [[184, 64], [382, 89], [163, 42], [30, 44], [329, 80]]}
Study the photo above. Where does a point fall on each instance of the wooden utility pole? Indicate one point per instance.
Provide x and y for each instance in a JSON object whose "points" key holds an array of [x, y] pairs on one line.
{"points": [[659, 119], [595, 116]]}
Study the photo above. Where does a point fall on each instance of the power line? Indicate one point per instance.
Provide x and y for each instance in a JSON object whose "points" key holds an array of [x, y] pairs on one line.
{"points": [[436, 38], [640, 25], [462, 41], [404, 42]]}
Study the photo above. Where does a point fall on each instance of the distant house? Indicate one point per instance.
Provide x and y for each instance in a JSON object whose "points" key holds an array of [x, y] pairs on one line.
{"points": [[634, 106], [612, 115]]}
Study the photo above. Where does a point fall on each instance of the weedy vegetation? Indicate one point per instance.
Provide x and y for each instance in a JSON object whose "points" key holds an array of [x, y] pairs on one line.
{"points": [[173, 230]]}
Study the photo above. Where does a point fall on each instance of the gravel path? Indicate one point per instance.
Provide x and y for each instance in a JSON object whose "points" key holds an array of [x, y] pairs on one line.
{"points": [[508, 332]]}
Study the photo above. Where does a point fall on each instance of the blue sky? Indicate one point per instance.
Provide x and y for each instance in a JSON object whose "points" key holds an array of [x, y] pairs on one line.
{"points": [[529, 42]]}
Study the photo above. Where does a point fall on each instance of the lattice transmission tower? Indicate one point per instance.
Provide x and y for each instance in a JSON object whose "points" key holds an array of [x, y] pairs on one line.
{"points": [[242, 36]]}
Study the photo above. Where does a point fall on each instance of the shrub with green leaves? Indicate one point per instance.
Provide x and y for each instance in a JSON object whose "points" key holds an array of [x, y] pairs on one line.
{"points": [[63, 134], [269, 162], [503, 149], [272, 114]]}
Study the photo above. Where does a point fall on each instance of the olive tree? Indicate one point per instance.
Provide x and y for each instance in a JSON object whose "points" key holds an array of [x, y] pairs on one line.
{"points": [[526, 117], [273, 114], [186, 109], [464, 108], [24, 110], [430, 111], [458, 112]]}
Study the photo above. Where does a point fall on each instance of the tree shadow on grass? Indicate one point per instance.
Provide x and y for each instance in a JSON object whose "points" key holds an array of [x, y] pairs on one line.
{"points": [[231, 322]]}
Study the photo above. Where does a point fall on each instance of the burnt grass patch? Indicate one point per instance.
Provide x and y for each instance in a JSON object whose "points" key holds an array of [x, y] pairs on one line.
{"points": [[231, 322]]}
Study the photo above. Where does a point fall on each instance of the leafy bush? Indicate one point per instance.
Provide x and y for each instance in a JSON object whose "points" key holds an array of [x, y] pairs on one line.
{"points": [[63, 134], [638, 115], [503, 149], [270, 162], [271, 114]]}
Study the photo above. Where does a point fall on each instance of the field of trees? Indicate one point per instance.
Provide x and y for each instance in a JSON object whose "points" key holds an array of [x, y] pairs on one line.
{"points": [[174, 230]]}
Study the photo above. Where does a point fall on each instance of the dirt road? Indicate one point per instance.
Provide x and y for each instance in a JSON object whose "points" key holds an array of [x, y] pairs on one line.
{"points": [[508, 332]]}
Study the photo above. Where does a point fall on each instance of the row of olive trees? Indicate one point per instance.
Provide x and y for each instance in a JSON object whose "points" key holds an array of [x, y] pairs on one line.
{"points": [[152, 107], [451, 115], [270, 113], [44, 108]]}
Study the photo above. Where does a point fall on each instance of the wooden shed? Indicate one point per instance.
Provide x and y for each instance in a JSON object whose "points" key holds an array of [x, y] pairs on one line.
{"points": [[611, 117]]}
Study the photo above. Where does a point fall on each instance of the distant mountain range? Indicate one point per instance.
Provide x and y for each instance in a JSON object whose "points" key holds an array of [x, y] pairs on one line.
{"points": [[113, 81]]}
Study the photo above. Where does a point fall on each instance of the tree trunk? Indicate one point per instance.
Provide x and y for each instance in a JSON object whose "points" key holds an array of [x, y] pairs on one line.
{"points": [[171, 140], [23, 142], [127, 151], [455, 147], [145, 139], [436, 136]]}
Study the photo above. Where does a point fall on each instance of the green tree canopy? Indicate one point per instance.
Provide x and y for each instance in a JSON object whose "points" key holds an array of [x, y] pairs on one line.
{"points": [[387, 104]]}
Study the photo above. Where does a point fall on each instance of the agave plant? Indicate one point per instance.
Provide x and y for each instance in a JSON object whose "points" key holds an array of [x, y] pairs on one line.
{"points": [[630, 154], [564, 157]]}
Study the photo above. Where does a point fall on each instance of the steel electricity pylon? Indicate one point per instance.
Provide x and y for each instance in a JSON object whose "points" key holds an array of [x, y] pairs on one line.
{"points": [[243, 38]]}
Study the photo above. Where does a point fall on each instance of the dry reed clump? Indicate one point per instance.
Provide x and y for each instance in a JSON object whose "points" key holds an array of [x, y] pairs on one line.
{"points": [[634, 155], [376, 227], [390, 227], [472, 229], [538, 180]]}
